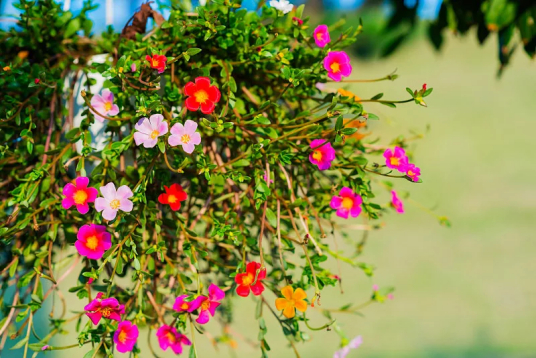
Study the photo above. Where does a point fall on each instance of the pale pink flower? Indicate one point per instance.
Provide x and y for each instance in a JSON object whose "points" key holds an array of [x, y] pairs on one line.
{"points": [[104, 105], [343, 352], [133, 67], [185, 135], [149, 129], [397, 203], [114, 200]]}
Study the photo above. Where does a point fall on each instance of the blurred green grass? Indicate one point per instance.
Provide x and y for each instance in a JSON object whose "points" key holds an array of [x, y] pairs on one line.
{"points": [[467, 291]]}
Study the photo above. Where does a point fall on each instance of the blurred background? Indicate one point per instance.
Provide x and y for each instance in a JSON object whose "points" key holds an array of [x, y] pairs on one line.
{"points": [[464, 291]]}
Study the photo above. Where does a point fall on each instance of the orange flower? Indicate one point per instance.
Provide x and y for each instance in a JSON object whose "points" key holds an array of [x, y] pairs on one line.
{"points": [[293, 300], [346, 93], [356, 124]]}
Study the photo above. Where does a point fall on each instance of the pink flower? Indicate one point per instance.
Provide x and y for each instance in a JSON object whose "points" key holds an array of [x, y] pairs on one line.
{"points": [[390, 296], [104, 105], [323, 153], [347, 203], [126, 336], [92, 241], [181, 305], [185, 135], [396, 159], [266, 178], [148, 130], [79, 194], [169, 337], [208, 305], [343, 352], [397, 203], [113, 200], [413, 172], [45, 347], [107, 308], [337, 63], [321, 36], [375, 287], [133, 67]]}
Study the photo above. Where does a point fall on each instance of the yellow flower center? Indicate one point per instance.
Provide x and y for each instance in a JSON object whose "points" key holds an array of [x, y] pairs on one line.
{"points": [[114, 204], [108, 106], [80, 197], [92, 242], [172, 199], [335, 67], [347, 203], [106, 311], [185, 138], [319, 36], [317, 155], [394, 161], [154, 134], [205, 305], [201, 96], [122, 337], [171, 337], [246, 281], [184, 306], [410, 173], [155, 63]]}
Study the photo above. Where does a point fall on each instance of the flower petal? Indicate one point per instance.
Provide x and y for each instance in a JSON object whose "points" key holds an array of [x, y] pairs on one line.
{"points": [[108, 191], [281, 303], [289, 311], [126, 205], [124, 192], [287, 292], [109, 213]]}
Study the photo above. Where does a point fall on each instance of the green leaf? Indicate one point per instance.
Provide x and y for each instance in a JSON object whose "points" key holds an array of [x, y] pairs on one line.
{"points": [[72, 28], [272, 219]]}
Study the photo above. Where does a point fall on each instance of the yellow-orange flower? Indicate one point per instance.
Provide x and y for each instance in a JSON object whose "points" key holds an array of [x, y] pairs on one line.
{"points": [[346, 93], [294, 300], [356, 124]]}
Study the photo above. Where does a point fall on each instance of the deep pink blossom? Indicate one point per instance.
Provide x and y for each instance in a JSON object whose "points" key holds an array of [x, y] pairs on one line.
{"points": [[149, 129], [337, 63], [186, 135], [79, 194], [397, 203], [322, 153], [114, 200], [182, 305], [126, 336], [93, 241], [107, 308], [170, 337], [347, 203], [297, 20], [396, 159], [104, 105], [343, 352], [413, 172], [321, 35], [207, 305]]}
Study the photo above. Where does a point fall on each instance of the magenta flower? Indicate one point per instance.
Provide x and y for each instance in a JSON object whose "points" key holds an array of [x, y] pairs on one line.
{"points": [[93, 241], [413, 172], [337, 63], [185, 135], [126, 336], [107, 308], [347, 203], [149, 129], [181, 305], [266, 178], [397, 203], [396, 159], [104, 105], [321, 35], [113, 200], [207, 305], [170, 337], [343, 352], [79, 194], [323, 153]]}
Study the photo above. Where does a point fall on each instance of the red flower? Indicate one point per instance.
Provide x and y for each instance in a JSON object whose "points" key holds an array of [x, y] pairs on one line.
{"points": [[298, 20], [201, 93], [424, 87], [37, 80], [157, 62], [173, 196], [246, 280]]}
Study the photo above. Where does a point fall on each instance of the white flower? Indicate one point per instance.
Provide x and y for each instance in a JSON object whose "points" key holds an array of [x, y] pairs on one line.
{"points": [[282, 5]]}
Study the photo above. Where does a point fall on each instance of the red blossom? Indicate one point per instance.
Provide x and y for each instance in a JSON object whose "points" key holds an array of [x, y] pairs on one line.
{"points": [[37, 80], [246, 281], [298, 20], [424, 87], [201, 94], [173, 196], [158, 62]]}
